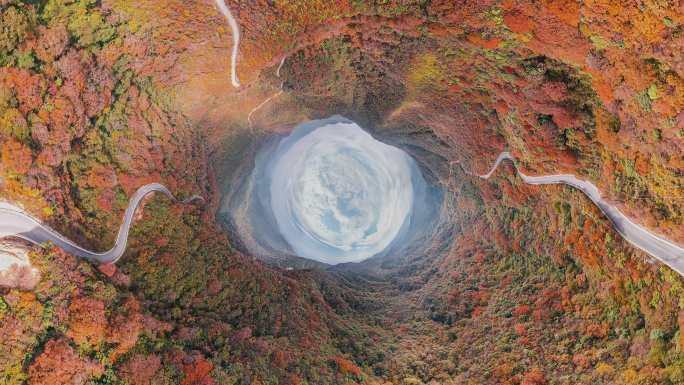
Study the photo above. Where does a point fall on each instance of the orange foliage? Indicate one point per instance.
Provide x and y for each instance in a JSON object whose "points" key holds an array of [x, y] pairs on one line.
{"points": [[567, 11], [28, 87], [478, 311], [598, 330], [534, 377], [279, 359], [125, 328], [483, 43], [518, 22], [519, 329], [347, 367], [87, 322], [294, 380], [16, 157], [503, 371]]}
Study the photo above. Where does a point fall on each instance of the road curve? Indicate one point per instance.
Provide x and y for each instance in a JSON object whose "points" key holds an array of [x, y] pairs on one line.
{"points": [[221, 4], [660, 248], [15, 222], [257, 108]]}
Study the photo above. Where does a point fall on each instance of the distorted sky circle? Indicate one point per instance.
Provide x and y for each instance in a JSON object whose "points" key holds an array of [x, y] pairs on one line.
{"points": [[337, 194]]}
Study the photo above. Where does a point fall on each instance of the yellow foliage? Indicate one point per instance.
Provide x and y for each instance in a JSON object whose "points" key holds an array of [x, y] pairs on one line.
{"points": [[426, 72], [28, 308], [604, 369], [412, 381], [629, 376], [12, 122]]}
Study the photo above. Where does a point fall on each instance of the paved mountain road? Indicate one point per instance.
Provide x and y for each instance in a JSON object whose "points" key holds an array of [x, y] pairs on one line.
{"points": [[18, 223], [655, 245]]}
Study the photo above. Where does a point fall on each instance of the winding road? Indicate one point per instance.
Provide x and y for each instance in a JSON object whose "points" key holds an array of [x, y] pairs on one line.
{"points": [[221, 4], [280, 91], [225, 10], [660, 248], [15, 222], [257, 108]]}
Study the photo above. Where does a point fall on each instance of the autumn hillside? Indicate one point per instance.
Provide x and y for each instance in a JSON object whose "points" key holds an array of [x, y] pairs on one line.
{"points": [[518, 284]]}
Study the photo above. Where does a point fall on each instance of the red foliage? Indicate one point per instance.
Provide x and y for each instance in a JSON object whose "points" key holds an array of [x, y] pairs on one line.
{"points": [[580, 360], [197, 372], [521, 310], [478, 311], [52, 43], [519, 329], [125, 328], [59, 364], [140, 369], [107, 269], [555, 91], [241, 335]]}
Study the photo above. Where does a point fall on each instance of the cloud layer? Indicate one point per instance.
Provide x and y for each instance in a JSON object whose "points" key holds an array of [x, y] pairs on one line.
{"points": [[337, 194], [328, 192]]}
